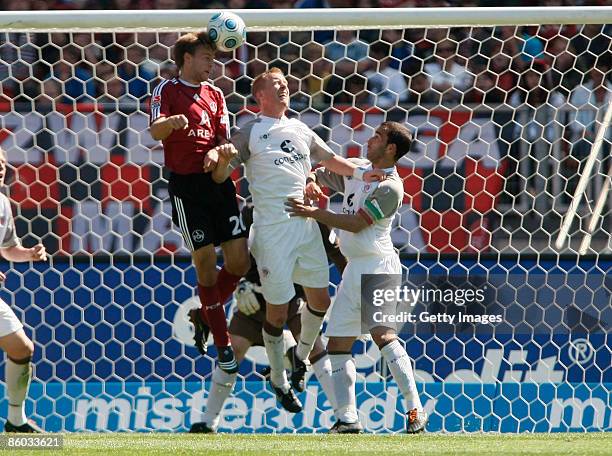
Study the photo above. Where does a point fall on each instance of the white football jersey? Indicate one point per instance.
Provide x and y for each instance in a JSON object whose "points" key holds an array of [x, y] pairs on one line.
{"points": [[8, 235], [277, 154], [376, 201]]}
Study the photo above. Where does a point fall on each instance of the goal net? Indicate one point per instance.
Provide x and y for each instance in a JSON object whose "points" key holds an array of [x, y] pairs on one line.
{"points": [[506, 116]]}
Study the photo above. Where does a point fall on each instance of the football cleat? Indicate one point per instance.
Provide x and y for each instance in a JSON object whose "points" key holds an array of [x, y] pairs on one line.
{"points": [[227, 360], [416, 420], [201, 428], [340, 427], [288, 400], [298, 370], [201, 331], [29, 427]]}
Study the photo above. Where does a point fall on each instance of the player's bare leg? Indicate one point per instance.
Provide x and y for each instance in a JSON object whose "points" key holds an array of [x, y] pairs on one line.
{"points": [[400, 366], [344, 376], [221, 386], [212, 312], [272, 332], [236, 263], [18, 373]]}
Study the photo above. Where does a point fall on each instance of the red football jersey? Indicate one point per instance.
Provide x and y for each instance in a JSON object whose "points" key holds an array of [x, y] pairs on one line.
{"points": [[205, 109]]}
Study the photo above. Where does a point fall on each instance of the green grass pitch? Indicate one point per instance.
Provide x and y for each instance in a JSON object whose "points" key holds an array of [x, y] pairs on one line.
{"points": [[330, 445]]}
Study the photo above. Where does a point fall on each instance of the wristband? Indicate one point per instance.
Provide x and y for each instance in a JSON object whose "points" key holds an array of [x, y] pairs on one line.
{"points": [[359, 172]]}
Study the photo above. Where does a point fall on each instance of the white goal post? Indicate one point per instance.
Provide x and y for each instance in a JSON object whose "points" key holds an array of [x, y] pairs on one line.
{"points": [[303, 19], [504, 104]]}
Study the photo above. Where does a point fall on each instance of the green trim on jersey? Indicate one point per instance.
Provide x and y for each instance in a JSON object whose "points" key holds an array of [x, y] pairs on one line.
{"points": [[374, 209]]}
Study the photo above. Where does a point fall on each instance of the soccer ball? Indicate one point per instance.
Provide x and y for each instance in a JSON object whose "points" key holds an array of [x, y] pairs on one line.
{"points": [[226, 30]]}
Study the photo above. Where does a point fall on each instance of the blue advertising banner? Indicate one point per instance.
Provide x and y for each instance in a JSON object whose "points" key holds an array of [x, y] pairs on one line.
{"points": [[453, 407], [113, 352]]}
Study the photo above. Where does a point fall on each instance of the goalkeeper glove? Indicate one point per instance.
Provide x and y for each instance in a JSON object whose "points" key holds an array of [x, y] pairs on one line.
{"points": [[245, 297]]}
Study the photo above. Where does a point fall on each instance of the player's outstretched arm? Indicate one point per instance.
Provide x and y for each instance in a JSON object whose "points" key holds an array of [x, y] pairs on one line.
{"points": [[19, 254], [348, 222], [162, 127], [344, 167]]}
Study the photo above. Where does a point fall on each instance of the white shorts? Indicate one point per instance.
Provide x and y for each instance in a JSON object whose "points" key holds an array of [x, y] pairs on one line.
{"points": [[8, 320], [345, 314], [287, 253]]}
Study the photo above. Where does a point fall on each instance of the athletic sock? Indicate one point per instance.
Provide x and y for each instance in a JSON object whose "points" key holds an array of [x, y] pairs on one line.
{"points": [[323, 370], [226, 284], [201, 295], [215, 313], [344, 376], [311, 326], [275, 348], [401, 368], [221, 385], [17, 378]]}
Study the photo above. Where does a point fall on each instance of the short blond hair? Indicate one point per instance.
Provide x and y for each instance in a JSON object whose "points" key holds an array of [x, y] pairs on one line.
{"points": [[259, 80]]}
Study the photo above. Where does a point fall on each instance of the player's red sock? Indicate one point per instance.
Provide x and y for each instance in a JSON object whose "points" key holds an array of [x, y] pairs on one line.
{"points": [[226, 284], [215, 314], [203, 305]]}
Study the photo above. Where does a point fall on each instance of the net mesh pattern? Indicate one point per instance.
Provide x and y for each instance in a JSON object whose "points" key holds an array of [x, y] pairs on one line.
{"points": [[504, 119]]}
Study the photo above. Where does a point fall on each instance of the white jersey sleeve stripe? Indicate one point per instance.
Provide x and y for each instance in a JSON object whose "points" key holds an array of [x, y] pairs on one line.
{"points": [[224, 107], [183, 222], [156, 108]]}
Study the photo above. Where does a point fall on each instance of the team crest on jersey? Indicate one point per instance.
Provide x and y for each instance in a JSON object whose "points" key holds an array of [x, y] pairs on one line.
{"points": [[198, 235], [156, 101], [205, 119], [287, 146], [213, 106]]}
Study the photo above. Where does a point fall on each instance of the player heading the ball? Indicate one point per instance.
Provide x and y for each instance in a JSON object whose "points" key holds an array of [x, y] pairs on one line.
{"points": [[190, 116]]}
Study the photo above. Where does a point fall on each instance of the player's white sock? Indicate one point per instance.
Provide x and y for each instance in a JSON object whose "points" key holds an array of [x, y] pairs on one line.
{"points": [[311, 326], [401, 368], [221, 385], [17, 377], [275, 349], [344, 375], [323, 370]]}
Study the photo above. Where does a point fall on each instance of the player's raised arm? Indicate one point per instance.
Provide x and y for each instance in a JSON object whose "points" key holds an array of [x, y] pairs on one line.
{"points": [[233, 153], [344, 167], [164, 120], [340, 165], [164, 126], [19, 254], [10, 245]]}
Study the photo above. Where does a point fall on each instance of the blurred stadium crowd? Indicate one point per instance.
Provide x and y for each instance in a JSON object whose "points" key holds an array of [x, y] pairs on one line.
{"points": [[389, 68], [240, 4]]}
